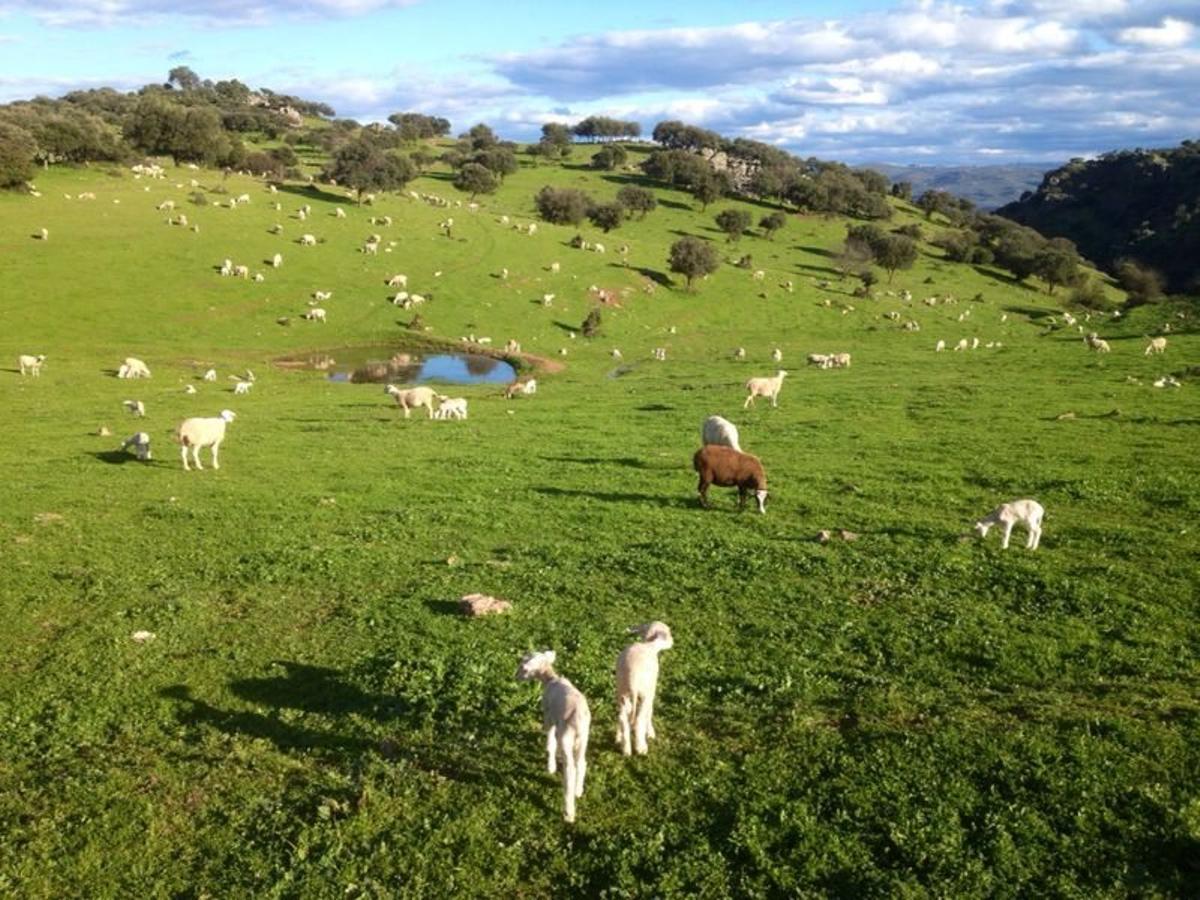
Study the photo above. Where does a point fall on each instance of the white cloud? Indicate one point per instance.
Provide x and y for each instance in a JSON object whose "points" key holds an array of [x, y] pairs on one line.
{"points": [[1170, 33], [222, 13]]}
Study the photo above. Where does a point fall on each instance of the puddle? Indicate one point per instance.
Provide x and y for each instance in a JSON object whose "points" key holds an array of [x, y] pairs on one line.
{"points": [[387, 365]]}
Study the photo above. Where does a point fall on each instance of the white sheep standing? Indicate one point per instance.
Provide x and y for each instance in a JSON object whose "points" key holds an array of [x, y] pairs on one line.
{"points": [[718, 430], [941, 345], [277, 260], [412, 398], [739, 353], [31, 363], [777, 355], [316, 314], [451, 408], [210, 375], [133, 367], [567, 722], [196, 433], [765, 387], [637, 683], [243, 387], [398, 281], [1156, 345], [140, 442], [1026, 512]]}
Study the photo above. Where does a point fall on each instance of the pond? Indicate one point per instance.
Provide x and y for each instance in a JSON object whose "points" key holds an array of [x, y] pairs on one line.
{"points": [[388, 365]]}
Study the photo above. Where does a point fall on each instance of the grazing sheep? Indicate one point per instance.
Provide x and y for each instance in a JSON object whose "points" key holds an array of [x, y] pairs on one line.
{"points": [[659, 353], [512, 346], [31, 363], [759, 275], [719, 431], [941, 345], [339, 213], [1027, 512], [598, 248], [398, 281], [243, 387], [1156, 345], [962, 345], [259, 278], [371, 248], [765, 387], [412, 398], [277, 260], [316, 314], [637, 683], [616, 354], [302, 215], [197, 433], [189, 389], [322, 295], [739, 353], [140, 442], [401, 298], [726, 467], [241, 271], [547, 299], [308, 240], [839, 361], [1097, 343], [276, 229], [166, 206], [777, 355], [210, 375], [567, 722], [133, 367], [136, 408], [451, 408], [521, 389], [44, 234], [821, 360]]}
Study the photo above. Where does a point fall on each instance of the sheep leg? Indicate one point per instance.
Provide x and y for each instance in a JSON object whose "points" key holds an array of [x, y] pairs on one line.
{"points": [[566, 741], [1008, 527], [749, 401], [650, 717], [581, 742], [216, 462], [196, 456], [641, 724], [406, 410], [183, 452], [774, 400], [703, 493], [624, 714], [551, 751], [1035, 535]]}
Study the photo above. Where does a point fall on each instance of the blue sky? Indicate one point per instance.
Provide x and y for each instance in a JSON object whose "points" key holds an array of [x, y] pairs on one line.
{"points": [[863, 80]]}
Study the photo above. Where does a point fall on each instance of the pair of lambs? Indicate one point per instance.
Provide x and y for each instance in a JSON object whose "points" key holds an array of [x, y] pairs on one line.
{"points": [[721, 462], [567, 719]]}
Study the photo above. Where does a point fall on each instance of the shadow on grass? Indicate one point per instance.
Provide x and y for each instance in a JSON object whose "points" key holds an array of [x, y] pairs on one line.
{"points": [[619, 497], [816, 251], [443, 607], [313, 192], [120, 457], [654, 407], [627, 461], [659, 278]]}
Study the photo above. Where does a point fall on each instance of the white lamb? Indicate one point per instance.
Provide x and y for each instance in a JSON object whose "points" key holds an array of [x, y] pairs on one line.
{"points": [[739, 353], [759, 275], [277, 260], [451, 408], [243, 387], [1156, 345], [637, 683], [308, 240], [31, 363], [210, 375], [398, 281], [316, 314], [718, 430], [140, 442], [322, 295], [941, 345], [197, 433], [339, 213], [136, 408], [566, 720], [765, 387], [1027, 512], [133, 367], [412, 398], [962, 345]]}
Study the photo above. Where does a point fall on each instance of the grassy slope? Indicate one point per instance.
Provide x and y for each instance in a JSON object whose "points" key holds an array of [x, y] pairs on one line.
{"points": [[903, 714]]}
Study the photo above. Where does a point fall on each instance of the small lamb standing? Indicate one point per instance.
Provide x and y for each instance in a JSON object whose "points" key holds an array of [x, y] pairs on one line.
{"points": [[765, 387], [566, 720], [210, 375], [719, 431], [197, 433], [140, 442], [726, 467], [136, 408], [1156, 345], [32, 363], [451, 408], [637, 683], [1027, 512]]}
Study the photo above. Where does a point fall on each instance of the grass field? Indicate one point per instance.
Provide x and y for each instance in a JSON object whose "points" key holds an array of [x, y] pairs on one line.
{"points": [[905, 715]]}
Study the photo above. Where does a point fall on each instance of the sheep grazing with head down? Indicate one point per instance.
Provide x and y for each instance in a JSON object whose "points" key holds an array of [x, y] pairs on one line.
{"points": [[719, 431], [140, 442], [196, 433], [637, 683], [566, 720], [726, 467], [1026, 512]]}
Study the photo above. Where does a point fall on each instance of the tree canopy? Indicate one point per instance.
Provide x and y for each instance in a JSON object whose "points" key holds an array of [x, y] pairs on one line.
{"points": [[693, 258]]}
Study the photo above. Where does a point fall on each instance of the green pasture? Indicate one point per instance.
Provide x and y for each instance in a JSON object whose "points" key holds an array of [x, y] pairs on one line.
{"points": [[909, 714]]}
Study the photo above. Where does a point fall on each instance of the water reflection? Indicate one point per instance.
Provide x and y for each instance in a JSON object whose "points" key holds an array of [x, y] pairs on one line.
{"points": [[382, 365]]}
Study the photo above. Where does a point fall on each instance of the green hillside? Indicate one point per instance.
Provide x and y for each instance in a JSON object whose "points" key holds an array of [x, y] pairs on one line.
{"points": [[910, 713]]}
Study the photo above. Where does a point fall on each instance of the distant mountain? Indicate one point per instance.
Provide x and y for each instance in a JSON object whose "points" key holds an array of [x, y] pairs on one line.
{"points": [[1140, 204], [988, 187]]}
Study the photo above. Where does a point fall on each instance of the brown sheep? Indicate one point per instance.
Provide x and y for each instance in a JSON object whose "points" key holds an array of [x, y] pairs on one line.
{"points": [[726, 467]]}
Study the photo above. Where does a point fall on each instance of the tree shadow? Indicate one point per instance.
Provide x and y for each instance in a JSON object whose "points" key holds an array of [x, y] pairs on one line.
{"points": [[617, 497], [824, 270], [659, 278], [674, 204], [816, 251], [447, 608], [566, 326], [314, 192]]}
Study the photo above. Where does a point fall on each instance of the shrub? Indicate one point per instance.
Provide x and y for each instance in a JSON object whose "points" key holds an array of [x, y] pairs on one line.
{"points": [[591, 325], [562, 206]]}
